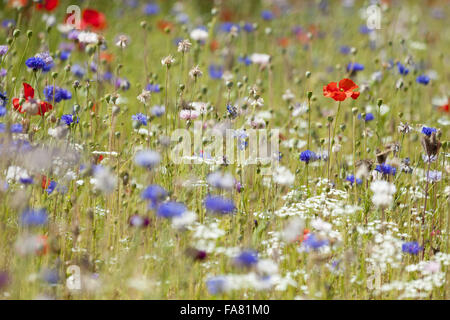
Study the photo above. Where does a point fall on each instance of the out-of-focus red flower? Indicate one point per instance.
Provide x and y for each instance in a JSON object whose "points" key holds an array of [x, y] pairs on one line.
{"points": [[45, 182], [105, 56], [444, 108], [28, 93], [42, 248], [344, 91], [226, 15], [17, 3], [164, 25], [304, 236], [91, 18], [283, 42], [48, 5], [214, 45]]}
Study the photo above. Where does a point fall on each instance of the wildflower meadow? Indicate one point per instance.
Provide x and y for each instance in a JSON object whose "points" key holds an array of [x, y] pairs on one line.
{"points": [[212, 149]]}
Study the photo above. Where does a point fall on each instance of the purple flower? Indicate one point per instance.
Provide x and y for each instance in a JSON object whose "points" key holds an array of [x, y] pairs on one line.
{"points": [[51, 187], [423, 79], [369, 117], [246, 258], [215, 72], [3, 50], [402, 69], [428, 131], [267, 15], [68, 119], [351, 179], [16, 128], [139, 222], [154, 88], [355, 67], [154, 193], [35, 63], [308, 156], [171, 209], [158, 111], [140, 118], [151, 9], [219, 204], [34, 217], [411, 247], [55, 94], [386, 169], [313, 243], [216, 285], [147, 158], [78, 71]]}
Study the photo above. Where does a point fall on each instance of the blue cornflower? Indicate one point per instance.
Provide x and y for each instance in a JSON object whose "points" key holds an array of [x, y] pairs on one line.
{"points": [[355, 67], [3, 72], [108, 76], [344, 50], [369, 117], [232, 111], [140, 118], [228, 26], [2, 111], [428, 131], [2, 127], [245, 60], [151, 9], [50, 276], [51, 187], [242, 137], [219, 204], [154, 193], [308, 156], [313, 243], [34, 217], [35, 63], [423, 79], [364, 29], [386, 169], [158, 111], [78, 71], [68, 119], [267, 15], [3, 99], [351, 179], [402, 69], [64, 55], [26, 180], [16, 128], [123, 84], [55, 94], [3, 50], [247, 258], [154, 88], [171, 209], [215, 72], [411, 247], [7, 23], [216, 285], [147, 158], [249, 27]]}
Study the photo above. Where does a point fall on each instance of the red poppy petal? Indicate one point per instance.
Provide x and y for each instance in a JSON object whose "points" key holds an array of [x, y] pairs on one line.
{"points": [[93, 18], [347, 85], [329, 89], [339, 96], [28, 91], [355, 95], [16, 105]]}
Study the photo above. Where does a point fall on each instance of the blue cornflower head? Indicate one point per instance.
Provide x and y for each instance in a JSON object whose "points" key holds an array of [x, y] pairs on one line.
{"points": [[344, 50], [3, 50], [151, 9], [64, 55], [68, 119], [51, 187], [140, 118], [402, 69], [26, 180], [158, 111], [35, 63], [78, 71], [351, 179], [232, 111], [228, 26], [108, 76], [386, 169], [34, 217], [154, 193], [3, 111], [249, 27], [242, 137], [147, 158], [216, 285], [215, 72], [2, 127], [55, 94], [154, 88], [219, 204], [267, 15], [312, 242], [308, 156], [423, 79], [412, 247], [123, 84], [428, 131], [171, 209], [8, 23], [51, 276], [246, 258], [369, 117], [355, 67], [16, 128], [3, 99], [3, 72], [245, 60], [364, 29]]}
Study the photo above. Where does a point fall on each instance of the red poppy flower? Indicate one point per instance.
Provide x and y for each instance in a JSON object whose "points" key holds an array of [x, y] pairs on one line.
{"points": [[93, 19], [108, 57], [283, 42], [444, 108], [28, 93], [17, 3], [344, 91], [214, 45], [48, 5], [45, 182], [164, 25]]}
